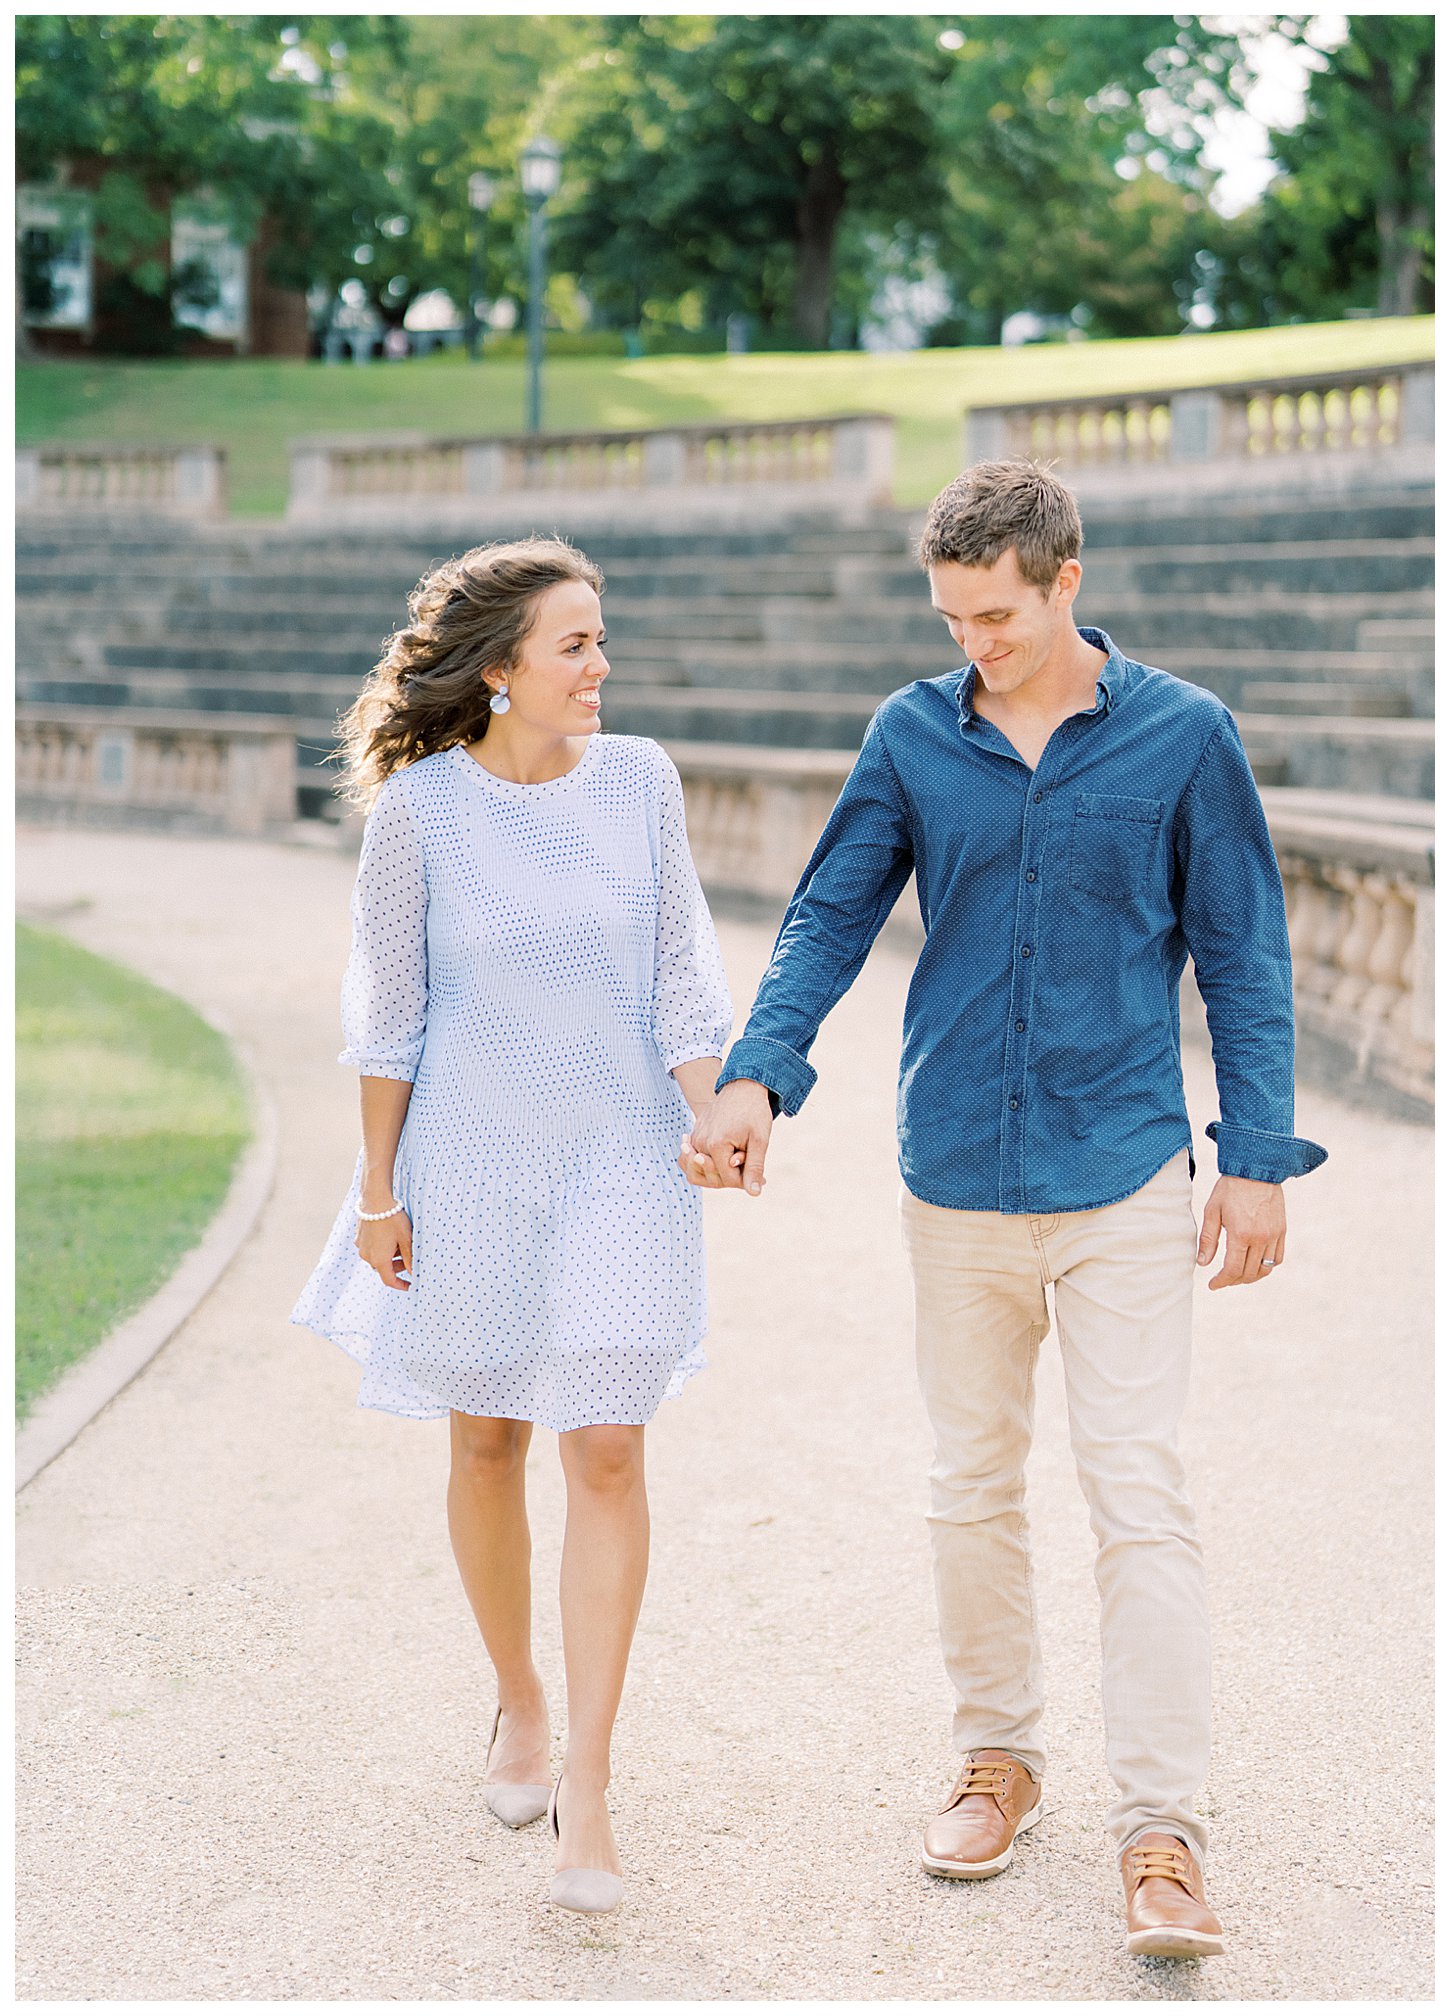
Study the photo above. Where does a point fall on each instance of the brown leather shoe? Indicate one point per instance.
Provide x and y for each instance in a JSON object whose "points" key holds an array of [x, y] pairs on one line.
{"points": [[1168, 1911], [994, 1798]]}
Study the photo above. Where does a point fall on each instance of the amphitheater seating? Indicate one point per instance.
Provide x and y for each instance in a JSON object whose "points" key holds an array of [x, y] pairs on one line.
{"points": [[1310, 616]]}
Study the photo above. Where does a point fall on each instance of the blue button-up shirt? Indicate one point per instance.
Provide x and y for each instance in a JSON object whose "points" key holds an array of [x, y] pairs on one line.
{"points": [[1040, 1065]]}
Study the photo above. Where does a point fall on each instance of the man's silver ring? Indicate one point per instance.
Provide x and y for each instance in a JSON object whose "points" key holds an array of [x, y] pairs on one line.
{"points": [[1266, 1263]]}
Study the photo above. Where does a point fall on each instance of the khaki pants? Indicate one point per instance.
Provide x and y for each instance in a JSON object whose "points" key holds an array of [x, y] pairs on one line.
{"points": [[1123, 1281]]}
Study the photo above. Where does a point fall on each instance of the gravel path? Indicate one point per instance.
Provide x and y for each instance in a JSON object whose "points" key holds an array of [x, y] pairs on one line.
{"points": [[252, 1703]]}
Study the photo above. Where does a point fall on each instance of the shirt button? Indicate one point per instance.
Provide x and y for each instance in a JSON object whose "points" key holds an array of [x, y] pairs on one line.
{"points": [[1032, 874], [1037, 797], [1013, 1104], [1026, 951], [1021, 1025]]}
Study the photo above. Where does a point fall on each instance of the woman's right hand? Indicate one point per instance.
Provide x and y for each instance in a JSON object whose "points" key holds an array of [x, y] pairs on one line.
{"points": [[386, 1244]]}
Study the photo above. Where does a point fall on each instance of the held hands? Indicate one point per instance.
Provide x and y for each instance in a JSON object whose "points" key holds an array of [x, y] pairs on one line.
{"points": [[1251, 1216], [386, 1244], [726, 1148]]}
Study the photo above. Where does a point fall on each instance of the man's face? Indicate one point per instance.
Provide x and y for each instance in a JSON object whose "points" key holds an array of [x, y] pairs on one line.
{"points": [[1004, 624]]}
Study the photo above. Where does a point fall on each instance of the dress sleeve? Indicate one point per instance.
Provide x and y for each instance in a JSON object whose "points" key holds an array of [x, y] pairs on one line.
{"points": [[692, 1007], [385, 987]]}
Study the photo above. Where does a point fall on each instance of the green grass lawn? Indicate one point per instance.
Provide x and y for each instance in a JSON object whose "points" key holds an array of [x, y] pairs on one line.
{"points": [[253, 409], [130, 1116]]}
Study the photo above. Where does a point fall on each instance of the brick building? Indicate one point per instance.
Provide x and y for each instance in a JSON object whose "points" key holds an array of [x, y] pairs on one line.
{"points": [[219, 302]]}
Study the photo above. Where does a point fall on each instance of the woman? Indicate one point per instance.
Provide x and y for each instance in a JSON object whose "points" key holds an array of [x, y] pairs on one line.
{"points": [[537, 1007]]}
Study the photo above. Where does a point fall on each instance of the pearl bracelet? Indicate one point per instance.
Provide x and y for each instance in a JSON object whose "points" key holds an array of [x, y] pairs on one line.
{"points": [[373, 1216]]}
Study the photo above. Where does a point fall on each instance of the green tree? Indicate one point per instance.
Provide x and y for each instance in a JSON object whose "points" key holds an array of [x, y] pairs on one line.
{"points": [[453, 94], [1061, 198], [355, 133], [1360, 167], [254, 112], [727, 153], [1347, 223]]}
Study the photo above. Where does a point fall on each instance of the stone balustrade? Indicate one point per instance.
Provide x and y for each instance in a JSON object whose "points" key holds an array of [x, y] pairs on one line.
{"points": [[830, 460], [754, 814], [1360, 890], [1373, 410], [111, 477], [1358, 870], [136, 766]]}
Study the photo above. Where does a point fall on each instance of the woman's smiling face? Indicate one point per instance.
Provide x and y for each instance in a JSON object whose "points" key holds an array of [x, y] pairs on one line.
{"points": [[554, 687]]}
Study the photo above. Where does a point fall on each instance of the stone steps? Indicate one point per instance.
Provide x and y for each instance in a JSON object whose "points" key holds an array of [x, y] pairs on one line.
{"points": [[1310, 614], [1315, 752], [310, 699], [1370, 565], [1376, 567], [1323, 697], [1336, 752], [1271, 619], [1395, 512], [816, 539], [1392, 512], [1388, 682], [278, 584], [1413, 635], [1407, 678]]}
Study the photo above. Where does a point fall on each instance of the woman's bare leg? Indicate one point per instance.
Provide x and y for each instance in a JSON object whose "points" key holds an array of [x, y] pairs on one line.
{"points": [[489, 1527], [601, 1586]]}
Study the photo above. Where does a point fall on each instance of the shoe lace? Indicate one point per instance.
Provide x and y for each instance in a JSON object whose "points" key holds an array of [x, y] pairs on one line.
{"points": [[989, 1776], [1157, 1860]]}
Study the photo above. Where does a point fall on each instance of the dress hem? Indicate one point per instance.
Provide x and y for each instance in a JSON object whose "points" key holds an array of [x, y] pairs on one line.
{"points": [[687, 1365]]}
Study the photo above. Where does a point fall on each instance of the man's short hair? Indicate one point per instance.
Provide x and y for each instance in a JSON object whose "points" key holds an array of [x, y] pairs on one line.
{"points": [[994, 505]]}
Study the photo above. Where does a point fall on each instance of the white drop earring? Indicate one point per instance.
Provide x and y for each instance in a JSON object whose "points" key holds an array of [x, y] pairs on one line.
{"points": [[500, 703]]}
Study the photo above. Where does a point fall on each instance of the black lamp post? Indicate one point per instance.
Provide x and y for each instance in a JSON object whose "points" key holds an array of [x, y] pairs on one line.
{"points": [[481, 191], [539, 174]]}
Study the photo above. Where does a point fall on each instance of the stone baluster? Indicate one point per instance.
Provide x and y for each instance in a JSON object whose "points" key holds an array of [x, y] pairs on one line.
{"points": [[864, 451], [1416, 414], [1306, 901], [666, 461], [1385, 995], [1362, 925], [1311, 421], [481, 467], [1359, 400], [1419, 1020], [1333, 913], [1301, 910]]}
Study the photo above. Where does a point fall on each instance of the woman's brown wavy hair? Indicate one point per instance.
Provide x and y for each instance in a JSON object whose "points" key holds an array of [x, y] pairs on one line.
{"points": [[468, 616]]}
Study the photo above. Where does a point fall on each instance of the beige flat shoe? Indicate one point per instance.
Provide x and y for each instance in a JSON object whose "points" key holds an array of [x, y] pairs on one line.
{"points": [[515, 1805], [581, 1889]]}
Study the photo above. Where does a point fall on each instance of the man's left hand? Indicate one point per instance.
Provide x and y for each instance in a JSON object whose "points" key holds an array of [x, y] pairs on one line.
{"points": [[1251, 1217]]}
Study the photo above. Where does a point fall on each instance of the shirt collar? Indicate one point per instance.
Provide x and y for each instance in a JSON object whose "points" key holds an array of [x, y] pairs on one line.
{"points": [[1113, 680]]}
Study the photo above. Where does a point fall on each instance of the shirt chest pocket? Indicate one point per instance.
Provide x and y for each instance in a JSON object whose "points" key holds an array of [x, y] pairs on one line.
{"points": [[1113, 843]]}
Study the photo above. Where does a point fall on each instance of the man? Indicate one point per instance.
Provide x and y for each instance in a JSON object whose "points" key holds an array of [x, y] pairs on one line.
{"points": [[1079, 824]]}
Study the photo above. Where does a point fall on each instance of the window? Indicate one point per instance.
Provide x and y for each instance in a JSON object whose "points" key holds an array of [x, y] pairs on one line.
{"points": [[53, 227], [209, 274]]}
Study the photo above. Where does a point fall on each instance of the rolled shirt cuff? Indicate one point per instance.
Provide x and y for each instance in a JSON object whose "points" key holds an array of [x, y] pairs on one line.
{"points": [[1262, 1157], [379, 1067], [689, 1053], [780, 1069]]}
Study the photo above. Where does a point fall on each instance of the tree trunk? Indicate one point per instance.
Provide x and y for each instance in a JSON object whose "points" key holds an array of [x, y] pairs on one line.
{"points": [[1400, 237], [25, 346], [817, 215]]}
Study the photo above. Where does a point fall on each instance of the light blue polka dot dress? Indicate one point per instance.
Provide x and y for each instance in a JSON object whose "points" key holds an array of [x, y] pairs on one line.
{"points": [[535, 958]]}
